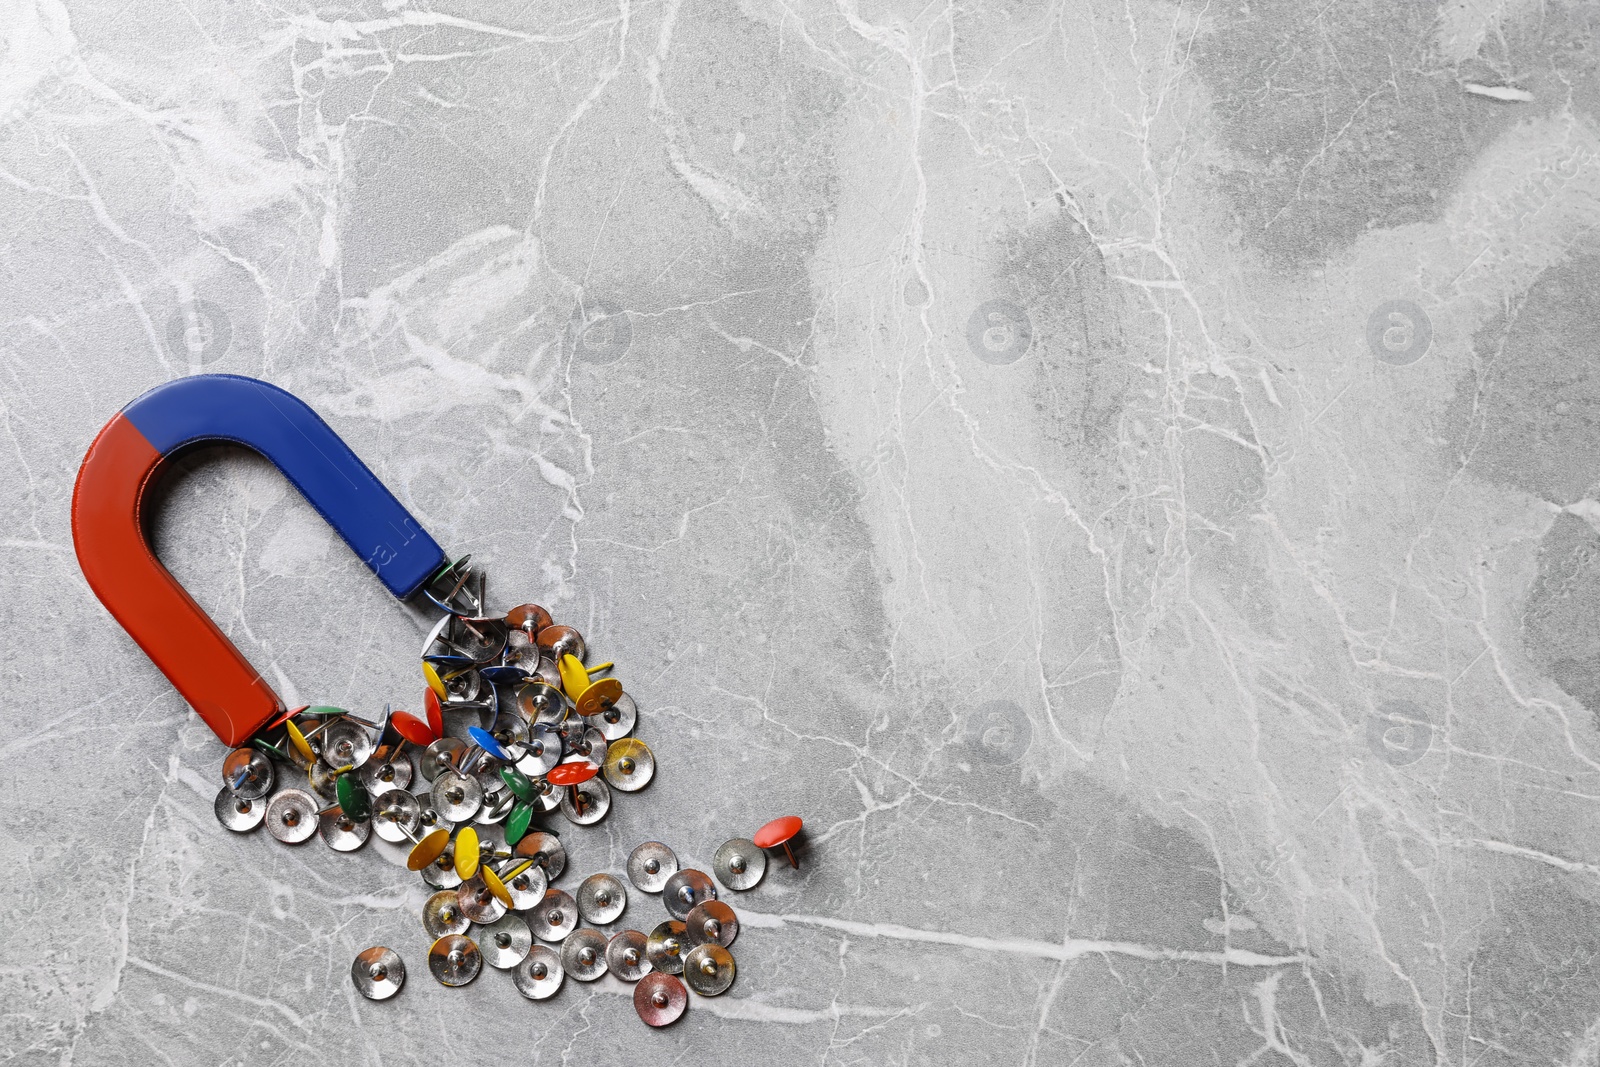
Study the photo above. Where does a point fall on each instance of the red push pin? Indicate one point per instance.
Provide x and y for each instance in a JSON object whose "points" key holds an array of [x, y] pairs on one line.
{"points": [[430, 704], [779, 832], [413, 729], [573, 775]]}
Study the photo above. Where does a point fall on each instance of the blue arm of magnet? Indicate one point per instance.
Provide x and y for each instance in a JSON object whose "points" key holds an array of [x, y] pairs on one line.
{"points": [[277, 424]]}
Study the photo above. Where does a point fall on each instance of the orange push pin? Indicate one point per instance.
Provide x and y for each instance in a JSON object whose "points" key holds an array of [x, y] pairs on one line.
{"points": [[468, 853], [779, 832], [572, 775]]}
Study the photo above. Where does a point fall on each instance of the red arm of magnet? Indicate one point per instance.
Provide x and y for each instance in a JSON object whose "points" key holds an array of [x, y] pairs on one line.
{"points": [[177, 635]]}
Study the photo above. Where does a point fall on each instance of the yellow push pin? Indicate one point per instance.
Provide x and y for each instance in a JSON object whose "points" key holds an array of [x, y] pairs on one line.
{"points": [[431, 676], [427, 849], [496, 886], [600, 697], [468, 852], [298, 740]]}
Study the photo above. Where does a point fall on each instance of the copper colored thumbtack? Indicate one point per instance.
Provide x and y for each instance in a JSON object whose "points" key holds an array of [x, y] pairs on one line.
{"points": [[779, 832], [660, 999]]}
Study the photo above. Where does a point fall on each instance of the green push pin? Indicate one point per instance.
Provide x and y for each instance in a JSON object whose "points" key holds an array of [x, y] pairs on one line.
{"points": [[517, 823], [518, 783], [271, 749], [353, 797]]}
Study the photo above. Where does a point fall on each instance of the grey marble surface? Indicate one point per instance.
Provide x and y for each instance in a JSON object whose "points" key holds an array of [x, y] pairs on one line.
{"points": [[1124, 472]]}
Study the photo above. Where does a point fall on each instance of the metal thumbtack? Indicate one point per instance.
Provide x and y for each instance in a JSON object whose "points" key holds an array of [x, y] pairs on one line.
{"points": [[546, 852], [541, 751], [445, 754], [248, 773], [601, 899], [554, 917], [455, 960], [292, 816], [505, 942], [561, 641], [478, 902], [583, 955], [779, 832], [378, 973], [387, 770], [395, 812], [625, 955], [650, 865], [529, 618], [539, 976], [711, 923], [617, 721], [708, 969], [340, 832], [630, 765], [660, 999], [237, 813], [348, 741], [686, 889], [526, 883], [443, 915], [739, 864], [665, 947], [457, 796]]}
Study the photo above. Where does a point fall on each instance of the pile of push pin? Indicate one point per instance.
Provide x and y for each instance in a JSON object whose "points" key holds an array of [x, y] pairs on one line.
{"points": [[549, 736]]}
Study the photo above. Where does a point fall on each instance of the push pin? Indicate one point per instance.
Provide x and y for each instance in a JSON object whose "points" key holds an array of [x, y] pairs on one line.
{"points": [[686, 889], [526, 884], [432, 710], [583, 955], [665, 947], [455, 960], [486, 741], [708, 969], [425, 849], [601, 899], [292, 816], [650, 865], [505, 942], [660, 999], [739, 864], [554, 917], [413, 729], [238, 813], [442, 915], [539, 976], [441, 873], [630, 765], [378, 973], [497, 884], [517, 822], [353, 797], [468, 854], [779, 832], [248, 773], [570, 776], [711, 923], [625, 955], [340, 832]]}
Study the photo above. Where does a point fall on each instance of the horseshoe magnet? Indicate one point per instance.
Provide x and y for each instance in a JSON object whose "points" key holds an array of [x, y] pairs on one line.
{"points": [[108, 528]]}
